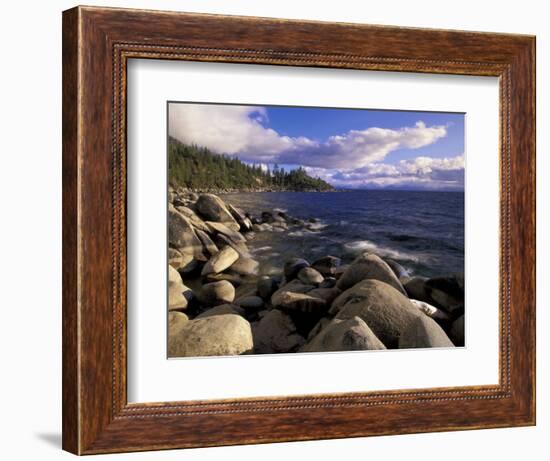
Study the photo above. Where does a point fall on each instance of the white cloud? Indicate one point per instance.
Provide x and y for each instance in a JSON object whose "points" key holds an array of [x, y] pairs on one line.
{"points": [[418, 173], [239, 130]]}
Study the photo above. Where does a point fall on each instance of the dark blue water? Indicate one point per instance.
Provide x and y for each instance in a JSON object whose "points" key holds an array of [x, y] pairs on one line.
{"points": [[424, 231]]}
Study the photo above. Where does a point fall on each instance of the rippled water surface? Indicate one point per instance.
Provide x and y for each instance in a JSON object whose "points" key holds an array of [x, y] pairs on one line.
{"points": [[424, 231]]}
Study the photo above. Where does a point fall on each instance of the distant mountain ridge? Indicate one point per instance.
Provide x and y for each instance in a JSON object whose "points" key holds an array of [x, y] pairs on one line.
{"points": [[198, 168]]}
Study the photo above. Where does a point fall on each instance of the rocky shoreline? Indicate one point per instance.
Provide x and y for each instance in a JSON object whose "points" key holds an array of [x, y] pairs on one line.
{"points": [[218, 304]]}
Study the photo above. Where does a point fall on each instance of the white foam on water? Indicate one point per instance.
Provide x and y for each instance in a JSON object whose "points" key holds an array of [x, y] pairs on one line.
{"points": [[316, 226], [265, 248], [366, 245]]}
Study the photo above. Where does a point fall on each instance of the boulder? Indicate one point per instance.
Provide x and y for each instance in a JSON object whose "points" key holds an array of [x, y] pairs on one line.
{"points": [[212, 208], [397, 268], [266, 286], [344, 335], [416, 288], [240, 217], [175, 258], [456, 333], [193, 218], [217, 227], [310, 276], [385, 310], [245, 266], [446, 293], [339, 271], [247, 288], [424, 332], [222, 309], [431, 311], [188, 264], [176, 321], [322, 323], [301, 302], [295, 286], [239, 247], [329, 282], [276, 333], [216, 293], [233, 278], [220, 261], [327, 265], [250, 302], [207, 242], [178, 294], [369, 266], [182, 236], [227, 334], [328, 294], [293, 266]]}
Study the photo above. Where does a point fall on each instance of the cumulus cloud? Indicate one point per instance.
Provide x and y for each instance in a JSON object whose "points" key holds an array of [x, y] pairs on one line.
{"points": [[241, 130], [418, 173]]}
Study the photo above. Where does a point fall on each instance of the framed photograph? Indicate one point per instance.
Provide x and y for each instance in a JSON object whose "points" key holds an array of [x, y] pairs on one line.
{"points": [[280, 230]]}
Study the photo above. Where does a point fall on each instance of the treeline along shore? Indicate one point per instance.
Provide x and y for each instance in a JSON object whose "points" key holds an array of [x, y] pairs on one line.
{"points": [[199, 169], [219, 303]]}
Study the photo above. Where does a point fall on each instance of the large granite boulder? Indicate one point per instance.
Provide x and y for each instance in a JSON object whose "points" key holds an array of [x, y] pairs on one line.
{"points": [[239, 216], [245, 266], [275, 333], [344, 335], [384, 309], [176, 321], [222, 309], [293, 266], [447, 293], [207, 242], [301, 302], [399, 271], [182, 236], [222, 228], [431, 311], [368, 266], [179, 295], [193, 218], [424, 332], [220, 261], [216, 293], [227, 334], [213, 208], [327, 265], [310, 276]]}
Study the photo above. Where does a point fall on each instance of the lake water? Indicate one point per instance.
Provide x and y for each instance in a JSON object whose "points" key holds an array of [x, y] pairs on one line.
{"points": [[423, 231]]}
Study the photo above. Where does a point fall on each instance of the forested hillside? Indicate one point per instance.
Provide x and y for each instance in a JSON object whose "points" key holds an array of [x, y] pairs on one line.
{"points": [[198, 168]]}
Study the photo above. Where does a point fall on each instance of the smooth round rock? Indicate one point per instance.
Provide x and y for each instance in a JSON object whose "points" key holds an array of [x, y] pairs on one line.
{"points": [[220, 261], [369, 266], [386, 311], [216, 293], [310, 276], [293, 266], [344, 335], [216, 335], [276, 333]]}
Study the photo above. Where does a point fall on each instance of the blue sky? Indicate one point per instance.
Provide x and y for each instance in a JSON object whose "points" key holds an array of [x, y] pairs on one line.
{"points": [[349, 148]]}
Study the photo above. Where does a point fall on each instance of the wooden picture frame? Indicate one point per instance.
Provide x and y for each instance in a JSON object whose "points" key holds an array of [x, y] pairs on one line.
{"points": [[97, 43]]}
